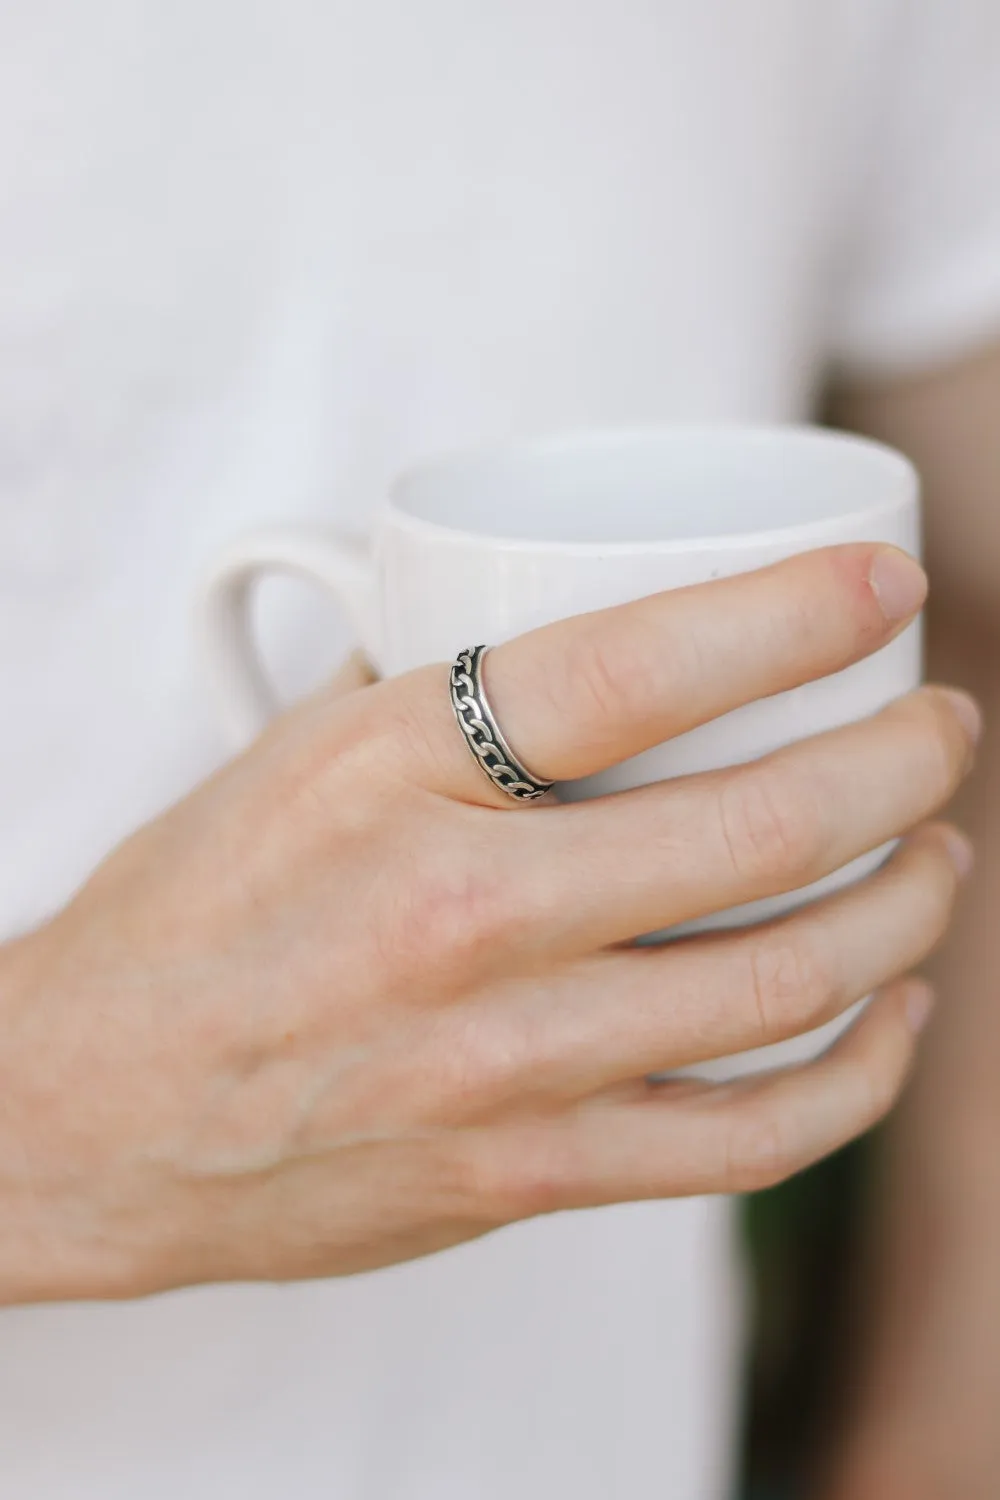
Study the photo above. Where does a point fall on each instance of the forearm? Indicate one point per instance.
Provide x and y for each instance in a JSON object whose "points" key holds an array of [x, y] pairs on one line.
{"points": [[31, 1262]]}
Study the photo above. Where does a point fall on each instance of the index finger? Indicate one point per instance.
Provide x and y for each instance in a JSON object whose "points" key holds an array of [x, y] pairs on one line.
{"points": [[586, 693]]}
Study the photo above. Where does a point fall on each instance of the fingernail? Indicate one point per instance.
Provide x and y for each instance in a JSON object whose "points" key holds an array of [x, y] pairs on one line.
{"points": [[919, 1004], [966, 711], [960, 852], [898, 582]]}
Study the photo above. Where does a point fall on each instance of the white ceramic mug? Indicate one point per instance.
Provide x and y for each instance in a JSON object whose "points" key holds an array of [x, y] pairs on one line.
{"points": [[481, 546]]}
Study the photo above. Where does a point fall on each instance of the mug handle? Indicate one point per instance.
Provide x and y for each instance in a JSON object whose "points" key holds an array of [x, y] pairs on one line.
{"points": [[342, 567]]}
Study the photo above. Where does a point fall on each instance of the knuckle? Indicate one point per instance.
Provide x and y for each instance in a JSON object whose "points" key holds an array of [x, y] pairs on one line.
{"points": [[770, 823], [394, 736], [531, 1175], [791, 985], [466, 1182], [453, 909], [407, 734], [483, 1062]]}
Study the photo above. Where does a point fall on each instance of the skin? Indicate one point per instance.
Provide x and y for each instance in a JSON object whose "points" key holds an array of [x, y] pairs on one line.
{"points": [[923, 1422], [346, 1004]]}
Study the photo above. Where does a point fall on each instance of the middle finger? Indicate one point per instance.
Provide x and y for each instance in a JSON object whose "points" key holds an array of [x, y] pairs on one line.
{"points": [[618, 1016], [594, 874]]}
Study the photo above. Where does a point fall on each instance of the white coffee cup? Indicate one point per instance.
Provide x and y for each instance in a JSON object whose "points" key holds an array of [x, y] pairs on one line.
{"points": [[483, 545]]}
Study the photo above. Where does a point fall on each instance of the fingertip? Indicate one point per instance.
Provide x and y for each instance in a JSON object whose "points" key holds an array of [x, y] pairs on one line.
{"points": [[899, 584], [878, 1050], [966, 711], [960, 850], [918, 1004], [937, 839]]}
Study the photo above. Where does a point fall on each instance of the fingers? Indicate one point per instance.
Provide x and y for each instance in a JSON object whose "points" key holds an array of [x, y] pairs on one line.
{"points": [[621, 1015], [593, 874], [588, 692], [675, 1141]]}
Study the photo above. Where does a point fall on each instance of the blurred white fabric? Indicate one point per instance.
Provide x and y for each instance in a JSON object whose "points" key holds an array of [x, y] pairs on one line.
{"points": [[253, 258]]}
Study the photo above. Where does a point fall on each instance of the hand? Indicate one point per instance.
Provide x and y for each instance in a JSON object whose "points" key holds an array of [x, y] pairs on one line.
{"points": [[346, 1004]]}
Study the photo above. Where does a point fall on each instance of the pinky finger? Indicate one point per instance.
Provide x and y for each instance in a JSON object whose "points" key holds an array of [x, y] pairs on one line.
{"points": [[680, 1140]]}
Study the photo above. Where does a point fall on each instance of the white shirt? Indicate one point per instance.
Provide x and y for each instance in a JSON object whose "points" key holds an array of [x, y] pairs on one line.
{"points": [[253, 258]]}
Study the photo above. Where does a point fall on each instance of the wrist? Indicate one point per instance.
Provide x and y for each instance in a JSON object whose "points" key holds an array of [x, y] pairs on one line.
{"points": [[17, 1209], [37, 1260]]}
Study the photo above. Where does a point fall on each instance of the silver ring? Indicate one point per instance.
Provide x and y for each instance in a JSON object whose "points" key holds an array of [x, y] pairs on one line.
{"points": [[483, 734]]}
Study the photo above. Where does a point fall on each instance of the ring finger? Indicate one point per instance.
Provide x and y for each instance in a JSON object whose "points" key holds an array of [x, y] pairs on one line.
{"points": [[620, 1015], [678, 1140]]}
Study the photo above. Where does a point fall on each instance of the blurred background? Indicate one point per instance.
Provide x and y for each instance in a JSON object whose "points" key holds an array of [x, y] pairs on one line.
{"points": [[805, 1246]]}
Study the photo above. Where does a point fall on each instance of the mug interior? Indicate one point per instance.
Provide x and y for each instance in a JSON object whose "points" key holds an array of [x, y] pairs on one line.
{"points": [[668, 485]]}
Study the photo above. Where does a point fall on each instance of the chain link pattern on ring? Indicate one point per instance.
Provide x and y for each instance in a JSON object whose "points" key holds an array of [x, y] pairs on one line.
{"points": [[482, 732]]}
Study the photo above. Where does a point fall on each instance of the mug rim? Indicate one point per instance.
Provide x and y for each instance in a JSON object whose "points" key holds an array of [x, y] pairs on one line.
{"points": [[896, 464]]}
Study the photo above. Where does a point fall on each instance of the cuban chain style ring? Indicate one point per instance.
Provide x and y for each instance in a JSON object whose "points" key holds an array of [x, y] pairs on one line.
{"points": [[483, 734]]}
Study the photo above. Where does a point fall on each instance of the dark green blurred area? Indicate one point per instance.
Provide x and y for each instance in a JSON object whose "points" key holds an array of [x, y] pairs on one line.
{"points": [[803, 1244]]}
